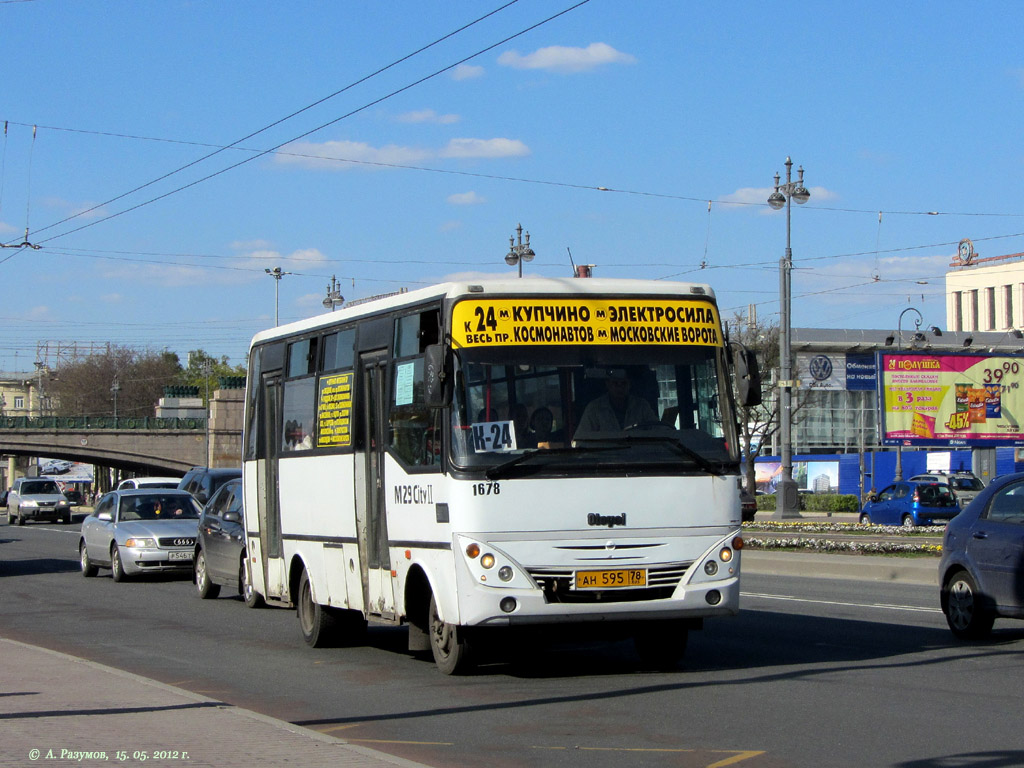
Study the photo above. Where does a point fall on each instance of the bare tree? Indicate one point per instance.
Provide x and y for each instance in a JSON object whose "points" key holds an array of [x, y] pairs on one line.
{"points": [[759, 423], [88, 386]]}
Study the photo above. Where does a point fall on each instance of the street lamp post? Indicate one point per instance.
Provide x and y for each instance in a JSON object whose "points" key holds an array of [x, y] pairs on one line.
{"points": [[334, 298], [277, 274], [115, 388], [519, 252], [787, 499]]}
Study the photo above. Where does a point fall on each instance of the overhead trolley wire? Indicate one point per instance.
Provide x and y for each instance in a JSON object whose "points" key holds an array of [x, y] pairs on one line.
{"points": [[327, 124]]}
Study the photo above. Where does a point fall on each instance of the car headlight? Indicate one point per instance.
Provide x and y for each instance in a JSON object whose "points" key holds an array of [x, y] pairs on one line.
{"points": [[141, 543], [30, 503]]}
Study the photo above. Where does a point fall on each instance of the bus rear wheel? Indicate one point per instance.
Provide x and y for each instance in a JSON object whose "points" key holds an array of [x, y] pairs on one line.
{"points": [[451, 651], [316, 622]]}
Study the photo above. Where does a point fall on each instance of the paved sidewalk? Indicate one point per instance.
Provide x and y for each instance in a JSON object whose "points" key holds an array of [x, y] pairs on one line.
{"points": [[56, 709]]}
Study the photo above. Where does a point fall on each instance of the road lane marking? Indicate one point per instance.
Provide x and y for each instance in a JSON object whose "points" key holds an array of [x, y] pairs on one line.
{"points": [[736, 755], [884, 606]]}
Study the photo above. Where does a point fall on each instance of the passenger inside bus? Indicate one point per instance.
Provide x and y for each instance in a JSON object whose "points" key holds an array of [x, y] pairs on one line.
{"points": [[542, 434]]}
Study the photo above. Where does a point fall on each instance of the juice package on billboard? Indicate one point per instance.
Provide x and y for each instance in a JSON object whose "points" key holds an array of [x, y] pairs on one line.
{"points": [[976, 405], [922, 425], [993, 401], [961, 397]]}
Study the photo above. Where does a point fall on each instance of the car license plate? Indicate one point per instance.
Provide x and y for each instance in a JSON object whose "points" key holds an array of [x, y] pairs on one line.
{"points": [[616, 579], [179, 555]]}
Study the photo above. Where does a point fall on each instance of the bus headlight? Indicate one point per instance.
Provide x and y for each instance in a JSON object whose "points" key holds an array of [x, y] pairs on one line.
{"points": [[487, 561], [505, 573], [710, 567]]}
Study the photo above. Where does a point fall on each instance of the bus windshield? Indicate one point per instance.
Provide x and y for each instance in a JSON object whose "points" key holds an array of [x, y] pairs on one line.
{"points": [[524, 410]]}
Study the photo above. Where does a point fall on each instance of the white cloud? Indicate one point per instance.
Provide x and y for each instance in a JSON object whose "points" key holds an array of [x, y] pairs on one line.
{"points": [[476, 148], [6, 229], [346, 155], [467, 72], [466, 198], [758, 196], [565, 60], [427, 116], [332, 154]]}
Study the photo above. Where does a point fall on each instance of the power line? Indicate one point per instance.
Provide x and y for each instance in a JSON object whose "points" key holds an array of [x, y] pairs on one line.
{"points": [[324, 125], [308, 107]]}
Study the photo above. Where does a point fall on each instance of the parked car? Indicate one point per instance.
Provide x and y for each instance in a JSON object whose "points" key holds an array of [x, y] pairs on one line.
{"points": [[909, 503], [748, 506], [202, 482], [966, 485], [148, 482], [220, 548], [140, 531], [35, 498], [982, 567]]}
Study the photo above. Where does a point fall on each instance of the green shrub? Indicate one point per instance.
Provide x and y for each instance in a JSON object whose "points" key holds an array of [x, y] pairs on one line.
{"points": [[815, 502]]}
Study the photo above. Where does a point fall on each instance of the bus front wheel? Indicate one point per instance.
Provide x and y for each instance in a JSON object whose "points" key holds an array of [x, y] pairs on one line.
{"points": [[447, 643]]}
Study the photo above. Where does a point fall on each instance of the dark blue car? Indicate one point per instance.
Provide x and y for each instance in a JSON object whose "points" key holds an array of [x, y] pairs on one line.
{"points": [[909, 503], [982, 566]]}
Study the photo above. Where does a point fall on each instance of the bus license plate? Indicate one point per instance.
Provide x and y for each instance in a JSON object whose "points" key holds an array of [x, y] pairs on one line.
{"points": [[179, 555], [611, 579]]}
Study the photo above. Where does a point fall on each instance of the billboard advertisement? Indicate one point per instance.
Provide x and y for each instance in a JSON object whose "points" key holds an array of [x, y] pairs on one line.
{"points": [[952, 400], [836, 371]]}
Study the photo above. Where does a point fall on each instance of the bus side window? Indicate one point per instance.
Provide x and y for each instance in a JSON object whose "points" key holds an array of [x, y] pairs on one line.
{"points": [[414, 428]]}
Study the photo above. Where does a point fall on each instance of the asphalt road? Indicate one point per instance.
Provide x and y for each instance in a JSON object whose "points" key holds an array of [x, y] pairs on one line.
{"points": [[812, 673]]}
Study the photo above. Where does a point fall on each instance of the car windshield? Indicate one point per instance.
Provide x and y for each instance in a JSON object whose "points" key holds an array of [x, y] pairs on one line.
{"points": [[158, 507], [41, 487], [658, 411]]}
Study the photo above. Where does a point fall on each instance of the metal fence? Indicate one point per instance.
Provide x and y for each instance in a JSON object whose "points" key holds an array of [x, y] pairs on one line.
{"points": [[100, 422]]}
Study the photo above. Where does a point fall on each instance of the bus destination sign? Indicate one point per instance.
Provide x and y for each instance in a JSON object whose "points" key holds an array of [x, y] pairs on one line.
{"points": [[498, 322]]}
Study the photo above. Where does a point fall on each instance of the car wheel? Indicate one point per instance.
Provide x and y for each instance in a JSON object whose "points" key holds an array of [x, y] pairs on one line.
{"points": [[966, 615], [908, 521], [116, 566], [207, 589], [865, 519], [66, 519], [661, 645], [448, 644], [88, 569], [252, 598], [316, 622], [19, 519]]}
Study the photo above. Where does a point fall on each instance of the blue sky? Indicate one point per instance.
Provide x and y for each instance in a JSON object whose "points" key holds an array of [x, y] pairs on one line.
{"points": [[898, 108]]}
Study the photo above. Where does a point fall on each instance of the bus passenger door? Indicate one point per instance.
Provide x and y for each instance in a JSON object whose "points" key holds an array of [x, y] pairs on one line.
{"points": [[374, 557], [269, 492]]}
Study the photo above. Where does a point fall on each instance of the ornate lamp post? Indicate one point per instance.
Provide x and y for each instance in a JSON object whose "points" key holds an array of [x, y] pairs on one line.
{"points": [[519, 252], [334, 298], [787, 499]]}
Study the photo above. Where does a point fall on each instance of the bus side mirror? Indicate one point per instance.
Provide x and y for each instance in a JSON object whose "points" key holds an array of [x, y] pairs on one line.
{"points": [[437, 377], [748, 377]]}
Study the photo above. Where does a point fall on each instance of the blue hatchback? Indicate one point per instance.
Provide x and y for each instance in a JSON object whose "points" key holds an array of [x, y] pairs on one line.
{"points": [[982, 568], [909, 503]]}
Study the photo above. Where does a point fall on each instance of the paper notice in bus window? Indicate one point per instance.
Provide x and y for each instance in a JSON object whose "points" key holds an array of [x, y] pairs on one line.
{"points": [[334, 411], [492, 436], [617, 322], [404, 383]]}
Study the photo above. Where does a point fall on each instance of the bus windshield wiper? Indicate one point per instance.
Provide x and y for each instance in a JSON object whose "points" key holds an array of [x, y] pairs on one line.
{"points": [[501, 470], [680, 448]]}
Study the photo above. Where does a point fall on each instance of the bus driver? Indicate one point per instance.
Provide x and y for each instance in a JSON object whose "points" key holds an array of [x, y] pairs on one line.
{"points": [[616, 409]]}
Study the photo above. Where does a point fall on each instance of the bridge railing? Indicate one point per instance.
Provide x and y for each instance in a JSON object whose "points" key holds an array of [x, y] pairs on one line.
{"points": [[100, 422]]}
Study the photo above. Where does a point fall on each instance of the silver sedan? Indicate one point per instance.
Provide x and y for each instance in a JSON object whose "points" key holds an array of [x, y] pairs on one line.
{"points": [[140, 531]]}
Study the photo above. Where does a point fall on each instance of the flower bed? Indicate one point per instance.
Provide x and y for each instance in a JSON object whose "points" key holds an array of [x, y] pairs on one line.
{"points": [[800, 541]]}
